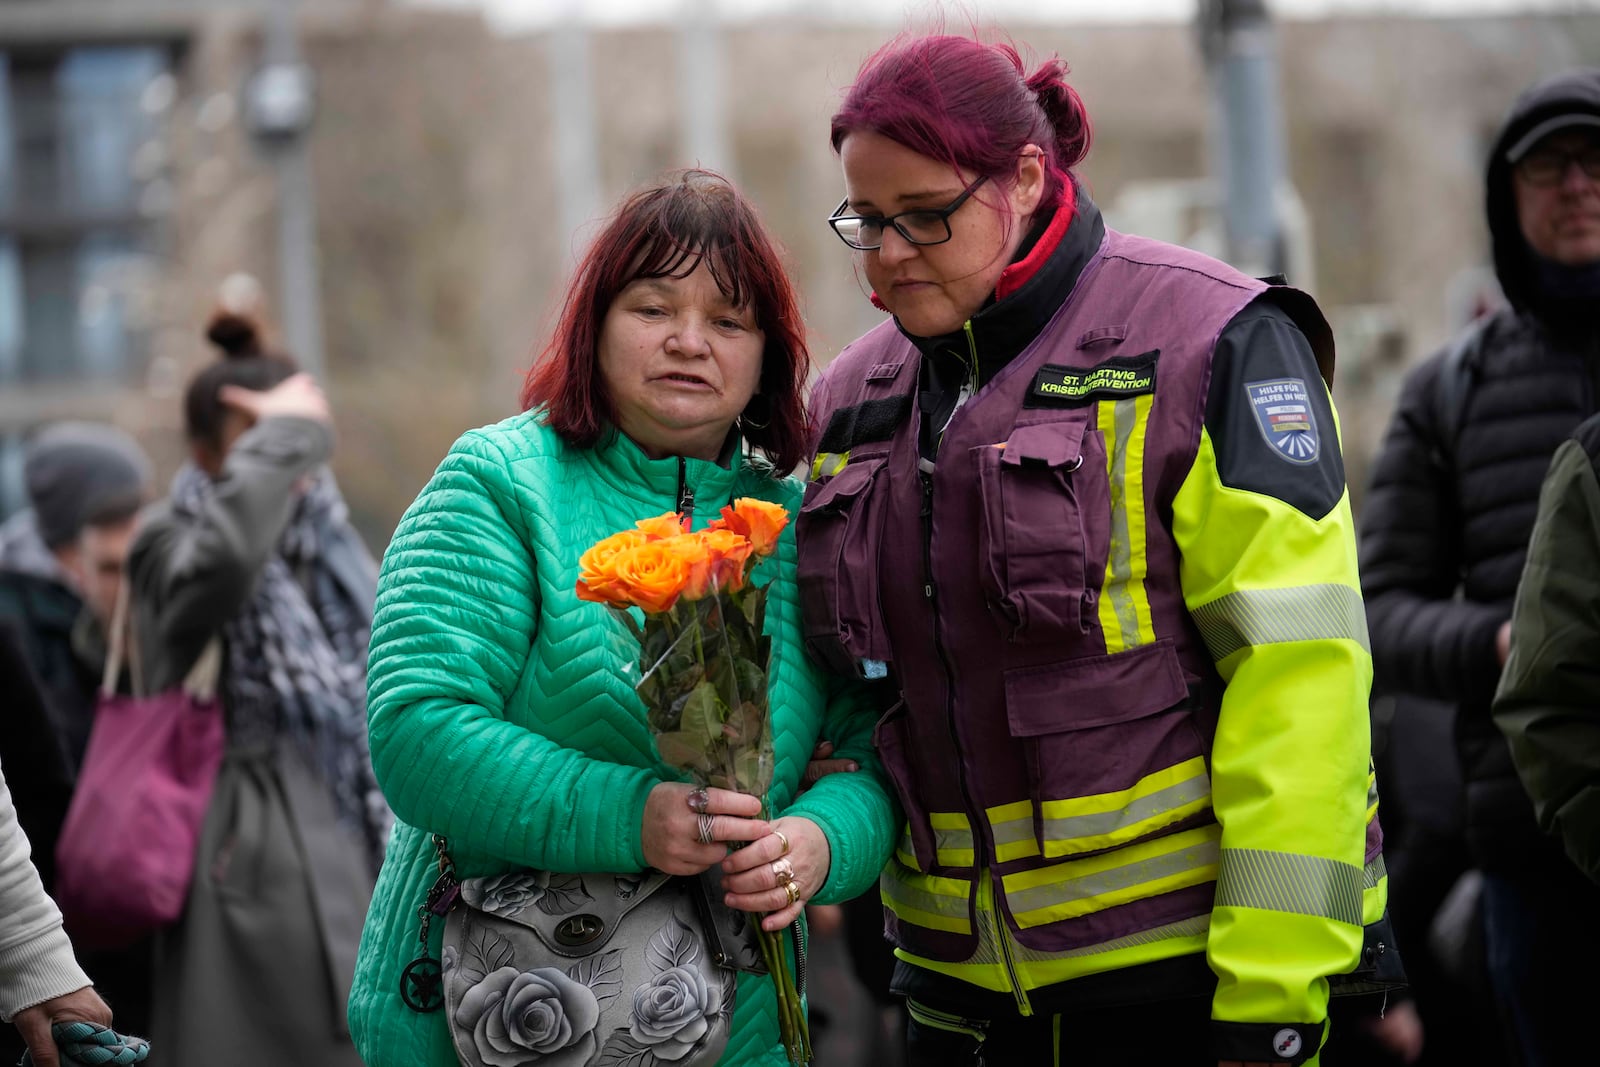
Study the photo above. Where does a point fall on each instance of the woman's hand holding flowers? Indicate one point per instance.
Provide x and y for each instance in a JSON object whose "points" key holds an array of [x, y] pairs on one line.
{"points": [[671, 832], [757, 876]]}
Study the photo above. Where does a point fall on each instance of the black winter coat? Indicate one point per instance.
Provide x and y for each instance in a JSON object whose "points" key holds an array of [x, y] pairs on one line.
{"points": [[1454, 493], [1445, 514]]}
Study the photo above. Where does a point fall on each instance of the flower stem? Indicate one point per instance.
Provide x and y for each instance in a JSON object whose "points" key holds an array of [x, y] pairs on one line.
{"points": [[791, 1013]]}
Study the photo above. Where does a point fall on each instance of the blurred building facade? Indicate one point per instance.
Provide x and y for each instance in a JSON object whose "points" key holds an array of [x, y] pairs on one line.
{"points": [[130, 187]]}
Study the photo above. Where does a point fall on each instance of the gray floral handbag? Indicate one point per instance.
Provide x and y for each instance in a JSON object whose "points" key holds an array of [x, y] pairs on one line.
{"points": [[574, 970]]}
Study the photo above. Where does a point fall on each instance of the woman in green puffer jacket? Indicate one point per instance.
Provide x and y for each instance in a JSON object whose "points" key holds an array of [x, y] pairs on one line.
{"points": [[501, 709]]}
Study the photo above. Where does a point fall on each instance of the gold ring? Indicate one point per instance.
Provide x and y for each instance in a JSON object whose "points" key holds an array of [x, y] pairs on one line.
{"points": [[793, 889], [783, 871], [781, 836]]}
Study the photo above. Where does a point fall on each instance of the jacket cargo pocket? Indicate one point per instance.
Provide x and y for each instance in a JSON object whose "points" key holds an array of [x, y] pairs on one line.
{"points": [[1036, 563], [892, 738], [838, 532], [1112, 750]]}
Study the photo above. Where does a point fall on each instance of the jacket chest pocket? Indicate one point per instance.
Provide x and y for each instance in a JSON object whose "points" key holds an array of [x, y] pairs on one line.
{"points": [[839, 529], [1042, 536]]}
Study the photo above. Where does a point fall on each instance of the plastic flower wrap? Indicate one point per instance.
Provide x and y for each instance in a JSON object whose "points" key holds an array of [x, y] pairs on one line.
{"points": [[703, 663]]}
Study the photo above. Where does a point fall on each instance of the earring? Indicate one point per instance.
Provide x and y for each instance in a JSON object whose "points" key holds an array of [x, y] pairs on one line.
{"points": [[746, 419]]}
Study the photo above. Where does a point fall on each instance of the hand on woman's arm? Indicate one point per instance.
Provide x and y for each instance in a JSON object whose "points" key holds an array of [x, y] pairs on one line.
{"points": [[754, 874]]}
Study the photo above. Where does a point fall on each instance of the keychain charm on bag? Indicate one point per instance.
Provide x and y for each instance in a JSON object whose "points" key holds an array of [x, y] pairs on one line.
{"points": [[422, 982]]}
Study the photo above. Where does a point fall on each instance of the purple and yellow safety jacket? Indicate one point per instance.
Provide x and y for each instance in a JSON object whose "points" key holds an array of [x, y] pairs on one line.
{"points": [[1115, 584]]}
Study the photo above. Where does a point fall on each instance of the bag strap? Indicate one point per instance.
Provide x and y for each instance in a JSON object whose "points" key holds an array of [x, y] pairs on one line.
{"points": [[118, 642], [201, 681], [1453, 390]]}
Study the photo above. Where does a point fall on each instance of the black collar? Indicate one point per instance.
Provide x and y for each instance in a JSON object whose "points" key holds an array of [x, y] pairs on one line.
{"points": [[1003, 328]]}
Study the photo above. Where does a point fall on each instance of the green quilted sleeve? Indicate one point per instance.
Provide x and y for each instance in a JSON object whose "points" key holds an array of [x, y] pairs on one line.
{"points": [[456, 608], [856, 809]]}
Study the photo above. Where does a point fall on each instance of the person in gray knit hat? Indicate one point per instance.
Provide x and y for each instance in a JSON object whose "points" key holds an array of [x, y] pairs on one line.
{"points": [[61, 561], [61, 564]]}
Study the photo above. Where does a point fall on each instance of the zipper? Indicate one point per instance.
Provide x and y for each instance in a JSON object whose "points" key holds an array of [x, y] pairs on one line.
{"points": [[685, 493], [947, 1021], [974, 813], [1002, 937], [968, 387]]}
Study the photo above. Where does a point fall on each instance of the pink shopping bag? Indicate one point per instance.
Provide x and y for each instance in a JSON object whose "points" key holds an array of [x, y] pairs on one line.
{"points": [[127, 848]]}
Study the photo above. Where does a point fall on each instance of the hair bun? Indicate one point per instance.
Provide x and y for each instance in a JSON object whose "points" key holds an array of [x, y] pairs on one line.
{"points": [[1065, 110], [237, 335]]}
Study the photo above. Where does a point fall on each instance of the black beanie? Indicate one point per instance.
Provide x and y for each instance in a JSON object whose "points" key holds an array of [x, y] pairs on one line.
{"points": [[77, 472]]}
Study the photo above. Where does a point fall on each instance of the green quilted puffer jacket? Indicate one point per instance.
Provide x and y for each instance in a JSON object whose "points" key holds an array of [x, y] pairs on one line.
{"points": [[502, 715]]}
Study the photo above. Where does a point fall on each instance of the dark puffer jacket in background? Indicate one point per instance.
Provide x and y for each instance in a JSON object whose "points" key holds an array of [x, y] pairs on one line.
{"points": [[1455, 491]]}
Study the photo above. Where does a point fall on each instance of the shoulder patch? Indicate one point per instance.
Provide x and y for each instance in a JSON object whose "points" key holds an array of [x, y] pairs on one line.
{"points": [[1283, 412], [1119, 376]]}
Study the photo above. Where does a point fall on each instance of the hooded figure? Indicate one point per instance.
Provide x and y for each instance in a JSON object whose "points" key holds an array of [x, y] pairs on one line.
{"points": [[1446, 527]]}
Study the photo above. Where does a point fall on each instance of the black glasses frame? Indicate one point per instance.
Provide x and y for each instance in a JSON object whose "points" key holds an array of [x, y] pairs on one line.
{"points": [[1587, 159], [884, 221]]}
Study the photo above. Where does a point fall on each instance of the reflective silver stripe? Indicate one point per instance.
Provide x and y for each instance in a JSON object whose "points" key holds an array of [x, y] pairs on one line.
{"points": [[1100, 883], [952, 840], [1194, 927], [923, 907], [1270, 616], [1374, 873], [1012, 831], [1121, 562], [1065, 829], [1283, 881]]}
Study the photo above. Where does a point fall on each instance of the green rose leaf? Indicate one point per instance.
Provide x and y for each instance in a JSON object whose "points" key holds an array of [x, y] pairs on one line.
{"points": [[703, 716]]}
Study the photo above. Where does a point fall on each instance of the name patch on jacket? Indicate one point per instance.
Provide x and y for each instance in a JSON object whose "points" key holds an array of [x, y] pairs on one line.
{"points": [[1282, 408], [1119, 376]]}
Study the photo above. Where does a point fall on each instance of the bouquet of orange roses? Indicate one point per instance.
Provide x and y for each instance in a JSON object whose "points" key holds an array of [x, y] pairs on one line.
{"points": [[703, 664]]}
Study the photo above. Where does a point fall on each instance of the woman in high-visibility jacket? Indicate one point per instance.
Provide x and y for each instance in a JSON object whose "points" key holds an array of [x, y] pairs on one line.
{"points": [[1081, 502]]}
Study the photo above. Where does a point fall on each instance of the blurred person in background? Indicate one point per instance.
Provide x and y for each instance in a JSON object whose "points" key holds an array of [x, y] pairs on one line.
{"points": [[254, 545], [39, 785], [61, 563], [1082, 501], [1548, 704], [41, 982], [1454, 496]]}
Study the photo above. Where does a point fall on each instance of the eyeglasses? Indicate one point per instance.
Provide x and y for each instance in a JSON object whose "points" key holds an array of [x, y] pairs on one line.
{"points": [[1547, 166], [923, 226]]}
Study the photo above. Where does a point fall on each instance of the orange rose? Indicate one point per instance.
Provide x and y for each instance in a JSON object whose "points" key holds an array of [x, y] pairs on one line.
{"points": [[715, 559], [666, 525], [650, 576], [758, 520], [597, 579]]}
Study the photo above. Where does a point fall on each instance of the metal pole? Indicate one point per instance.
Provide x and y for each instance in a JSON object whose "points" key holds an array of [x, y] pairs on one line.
{"points": [[1240, 48], [572, 99], [705, 142], [299, 286]]}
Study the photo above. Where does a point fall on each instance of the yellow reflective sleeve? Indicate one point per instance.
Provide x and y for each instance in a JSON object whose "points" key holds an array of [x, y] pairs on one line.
{"points": [[1276, 596]]}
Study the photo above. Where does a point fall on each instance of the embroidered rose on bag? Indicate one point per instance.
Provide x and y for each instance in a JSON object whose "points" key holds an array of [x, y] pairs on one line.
{"points": [[673, 1012], [519, 1019], [514, 893]]}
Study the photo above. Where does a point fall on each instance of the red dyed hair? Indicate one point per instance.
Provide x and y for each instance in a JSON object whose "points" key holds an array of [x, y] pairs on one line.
{"points": [[969, 104], [667, 231]]}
